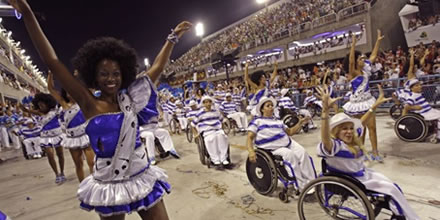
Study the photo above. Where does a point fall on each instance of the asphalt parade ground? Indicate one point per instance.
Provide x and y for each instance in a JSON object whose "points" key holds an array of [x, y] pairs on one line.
{"points": [[28, 191]]}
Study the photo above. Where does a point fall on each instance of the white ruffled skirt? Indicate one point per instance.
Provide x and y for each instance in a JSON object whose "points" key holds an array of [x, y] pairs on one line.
{"points": [[80, 142], [359, 107], [54, 141], [141, 192]]}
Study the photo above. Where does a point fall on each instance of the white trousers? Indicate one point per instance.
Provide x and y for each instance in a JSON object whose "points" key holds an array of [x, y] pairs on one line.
{"points": [[301, 163], [32, 146], [216, 143], [164, 138], [307, 113], [379, 183], [4, 137], [183, 122], [15, 139], [240, 118], [167, 117]]}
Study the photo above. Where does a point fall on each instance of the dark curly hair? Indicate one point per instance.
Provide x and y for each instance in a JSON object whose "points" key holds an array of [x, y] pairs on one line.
{"points": [[46, 99], [256, 76], [346, 62], [94, 51]]}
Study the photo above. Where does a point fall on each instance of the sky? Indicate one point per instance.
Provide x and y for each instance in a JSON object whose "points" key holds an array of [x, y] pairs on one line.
{"points": [[144, 24]]}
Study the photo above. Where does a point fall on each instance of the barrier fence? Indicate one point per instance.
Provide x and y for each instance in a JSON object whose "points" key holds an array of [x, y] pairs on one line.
{"points": [[431, 90]]}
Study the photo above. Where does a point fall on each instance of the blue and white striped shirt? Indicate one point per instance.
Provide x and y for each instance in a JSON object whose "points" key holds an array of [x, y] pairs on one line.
{"points": [[180, 112], [192, 113], [219, 97], [310, 99], [207, 121], [342, 160], [169, 107], [228, 107], [287, 103], [418, 99], [237, 99], [270, 133]]}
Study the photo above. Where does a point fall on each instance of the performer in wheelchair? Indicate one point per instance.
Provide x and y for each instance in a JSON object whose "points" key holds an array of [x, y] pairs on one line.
{"points": [[269, 133], [344, 152], [415, 102], [229, 109], [287, 104], [208, 123], [311, 100], [180, 113]]}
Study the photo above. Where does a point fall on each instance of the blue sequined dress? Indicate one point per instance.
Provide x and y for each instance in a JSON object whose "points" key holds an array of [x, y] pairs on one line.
{"points": [[123, 181], [51, 133]]}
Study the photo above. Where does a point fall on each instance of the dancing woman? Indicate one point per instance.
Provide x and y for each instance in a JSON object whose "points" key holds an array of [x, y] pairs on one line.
{"points": [[75, 139], [51, 134], [359, 69], [123, 180]]}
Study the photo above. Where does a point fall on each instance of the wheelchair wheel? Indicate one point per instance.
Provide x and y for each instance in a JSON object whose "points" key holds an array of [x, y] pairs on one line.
{"points": [[262, 174], [189, 134], [311, 109], [396, 111], [411, 128], [290, 120], [202, 150], [226, 126], [174, 124], [334, 198]]}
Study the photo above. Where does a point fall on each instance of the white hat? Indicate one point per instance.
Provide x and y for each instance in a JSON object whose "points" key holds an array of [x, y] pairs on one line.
{"points": [[207, 97], [261, 102], [219, 85], [341, 118], [192, 102], [178, 102], [284, 92], [228, 94], [411, 82]]}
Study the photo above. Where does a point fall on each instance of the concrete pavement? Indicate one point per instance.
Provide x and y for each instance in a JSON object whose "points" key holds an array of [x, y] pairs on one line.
{"points": [[28, 191]]}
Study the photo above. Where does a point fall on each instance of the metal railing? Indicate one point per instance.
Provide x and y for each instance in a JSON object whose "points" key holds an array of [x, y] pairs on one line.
{"points": [[431, 90]]}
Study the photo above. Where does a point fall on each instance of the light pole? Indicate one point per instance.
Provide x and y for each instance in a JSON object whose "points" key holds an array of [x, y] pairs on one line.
{"points": [[265, 2], [200, 30]]}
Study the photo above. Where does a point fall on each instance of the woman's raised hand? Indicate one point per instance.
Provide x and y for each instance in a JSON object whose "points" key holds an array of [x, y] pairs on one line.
{"points": [[182, 28], [381, 99]]}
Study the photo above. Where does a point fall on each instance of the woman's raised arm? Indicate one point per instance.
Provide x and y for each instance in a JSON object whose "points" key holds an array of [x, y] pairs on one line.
{"points": [[80, 93], [165, 53]]}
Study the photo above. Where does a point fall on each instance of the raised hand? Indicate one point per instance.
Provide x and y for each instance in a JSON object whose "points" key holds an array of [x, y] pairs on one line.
{"points": [[381, 99], [412, 52], [379, 35], [324, 95], [182, 28]]}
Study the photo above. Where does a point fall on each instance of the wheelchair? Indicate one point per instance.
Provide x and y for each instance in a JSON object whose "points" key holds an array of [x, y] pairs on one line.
{"points": [[396, 111], [175, 125], [204, 155], [291, 118], [413, 128], [341, 196], [159, 149], [229, 125], [314, 109], [189, 133], [267, 170]]}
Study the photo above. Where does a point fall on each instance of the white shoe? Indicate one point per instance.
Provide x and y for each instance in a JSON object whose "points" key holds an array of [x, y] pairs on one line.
{"points": [[216, 163], [225, 163], [433, 139]]}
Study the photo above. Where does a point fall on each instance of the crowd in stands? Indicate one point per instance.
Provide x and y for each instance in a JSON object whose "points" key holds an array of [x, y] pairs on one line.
{"points": [[260, 29], [419, 21], [390, 64]]}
